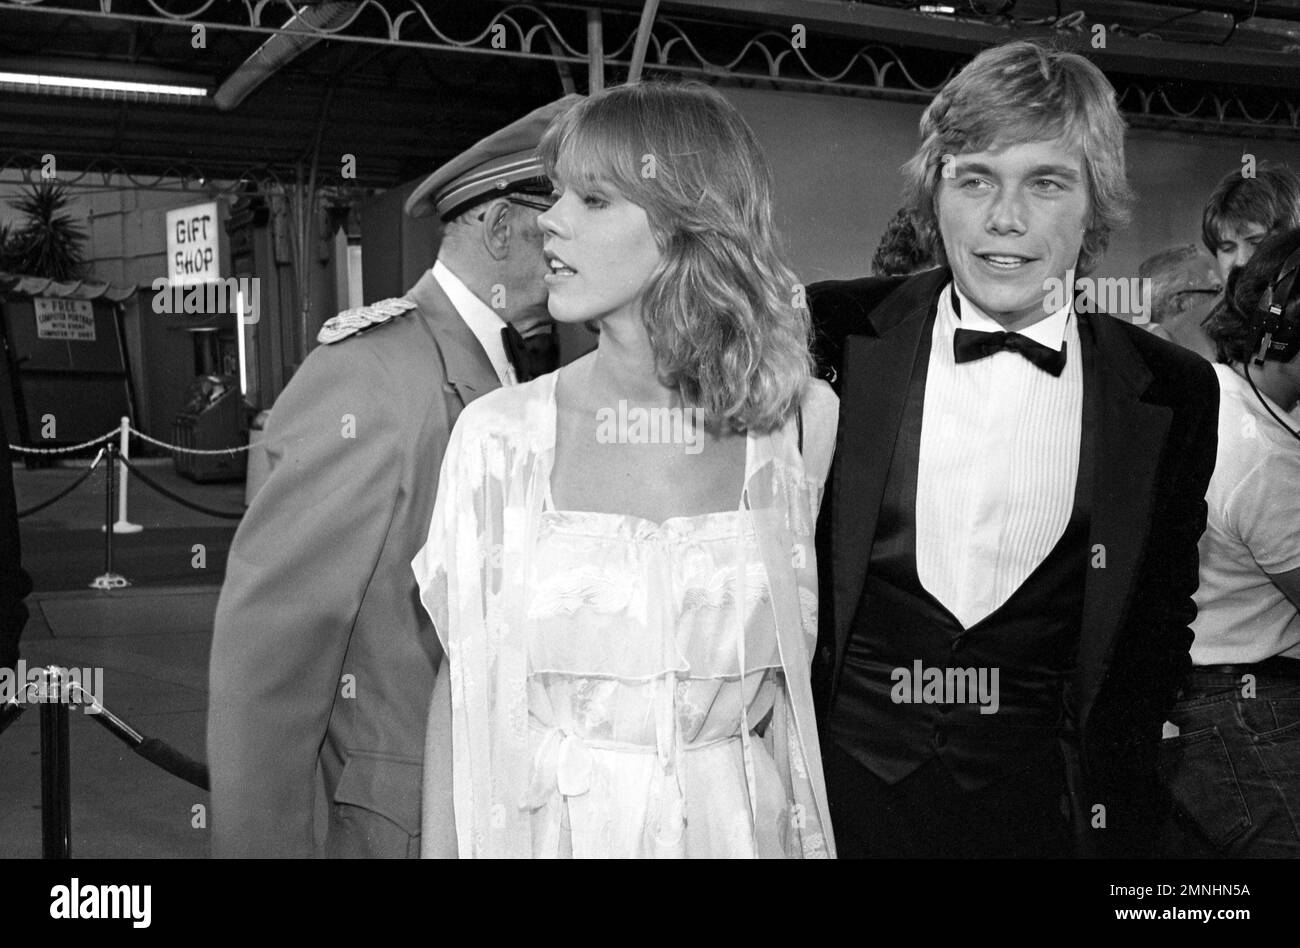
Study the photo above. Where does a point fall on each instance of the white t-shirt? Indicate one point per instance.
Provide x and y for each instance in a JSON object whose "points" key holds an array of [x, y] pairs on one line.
{"points": [[1253, 530]]}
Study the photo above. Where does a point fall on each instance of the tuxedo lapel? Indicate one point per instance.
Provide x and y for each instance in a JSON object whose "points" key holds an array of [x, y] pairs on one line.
{"points": [[468, 368], [1129, 433], [877, 371]]}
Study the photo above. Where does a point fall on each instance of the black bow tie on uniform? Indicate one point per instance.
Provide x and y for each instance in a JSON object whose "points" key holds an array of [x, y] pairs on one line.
{"points": [[530, 358], [971, 344]]}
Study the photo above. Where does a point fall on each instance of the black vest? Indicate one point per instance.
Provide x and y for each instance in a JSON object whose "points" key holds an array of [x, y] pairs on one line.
{"points": [[1031, 639]]}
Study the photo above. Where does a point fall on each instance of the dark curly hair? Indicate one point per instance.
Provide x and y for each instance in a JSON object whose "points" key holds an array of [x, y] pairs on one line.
{"points": [[900, 252], [1229, 324]]}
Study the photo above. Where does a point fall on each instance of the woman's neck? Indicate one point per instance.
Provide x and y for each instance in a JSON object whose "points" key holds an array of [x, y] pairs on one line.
{"points": [[624, 365]]}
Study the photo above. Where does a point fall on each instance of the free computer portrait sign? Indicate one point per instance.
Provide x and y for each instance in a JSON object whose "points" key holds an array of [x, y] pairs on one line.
{"points": [[72, 320]]}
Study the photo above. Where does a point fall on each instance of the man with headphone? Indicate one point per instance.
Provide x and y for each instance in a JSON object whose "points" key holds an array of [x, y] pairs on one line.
{"points": [[1231, 755], [1240, 214]]}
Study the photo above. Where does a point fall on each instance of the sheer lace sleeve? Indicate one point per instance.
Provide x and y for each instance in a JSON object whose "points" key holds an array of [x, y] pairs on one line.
{"points": [[479, 537]]}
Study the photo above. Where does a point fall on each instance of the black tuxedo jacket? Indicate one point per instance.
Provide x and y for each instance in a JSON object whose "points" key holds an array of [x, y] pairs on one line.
{"points": [[1156, 411]]}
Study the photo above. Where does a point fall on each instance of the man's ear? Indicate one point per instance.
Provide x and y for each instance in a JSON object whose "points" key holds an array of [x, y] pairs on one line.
{"points": [[496, 228]]}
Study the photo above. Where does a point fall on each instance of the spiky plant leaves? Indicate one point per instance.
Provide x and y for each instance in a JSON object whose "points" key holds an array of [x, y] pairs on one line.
{"points": [[48, 244]]}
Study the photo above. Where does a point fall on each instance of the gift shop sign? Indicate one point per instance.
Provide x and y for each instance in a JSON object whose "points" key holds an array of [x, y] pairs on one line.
{"points": [[193, 245]]}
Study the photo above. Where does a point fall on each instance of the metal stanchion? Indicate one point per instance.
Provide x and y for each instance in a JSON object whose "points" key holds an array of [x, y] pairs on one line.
{"points": [[123, 525], [10, 711], [109, 579], [54, 688], [56, 770]]}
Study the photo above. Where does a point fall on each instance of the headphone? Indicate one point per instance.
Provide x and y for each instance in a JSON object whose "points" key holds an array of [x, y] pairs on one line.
{"points": [[1275, 337]]}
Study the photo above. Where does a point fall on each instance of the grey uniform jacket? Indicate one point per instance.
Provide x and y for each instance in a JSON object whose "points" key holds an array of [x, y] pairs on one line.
{"points": [[323, 660]]}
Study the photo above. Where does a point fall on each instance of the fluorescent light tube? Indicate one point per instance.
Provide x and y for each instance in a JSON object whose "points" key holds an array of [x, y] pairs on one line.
{"points": [[57, 83]]}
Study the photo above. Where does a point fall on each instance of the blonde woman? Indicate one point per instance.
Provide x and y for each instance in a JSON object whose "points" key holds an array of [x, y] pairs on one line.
{"points": [[620, 564]]}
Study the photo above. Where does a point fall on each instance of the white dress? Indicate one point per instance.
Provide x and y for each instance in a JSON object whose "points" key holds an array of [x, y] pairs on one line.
{"points": [[598, 703]]}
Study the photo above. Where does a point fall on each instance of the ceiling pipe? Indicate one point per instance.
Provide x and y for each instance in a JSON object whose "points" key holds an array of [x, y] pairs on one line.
{"points": [[595, 51], [642, 40], [1242, 10], [300, 33]]}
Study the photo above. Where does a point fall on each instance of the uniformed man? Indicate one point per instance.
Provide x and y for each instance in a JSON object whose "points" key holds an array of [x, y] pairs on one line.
{"points": [[1185, 285], [323, 660]]}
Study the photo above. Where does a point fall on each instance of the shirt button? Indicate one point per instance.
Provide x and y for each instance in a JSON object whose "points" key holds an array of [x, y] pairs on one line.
{"points": [[939, 738]]}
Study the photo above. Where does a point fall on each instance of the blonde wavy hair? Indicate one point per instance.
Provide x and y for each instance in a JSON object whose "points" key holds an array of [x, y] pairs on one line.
{"points": [[1023, 92], [719, 309]]}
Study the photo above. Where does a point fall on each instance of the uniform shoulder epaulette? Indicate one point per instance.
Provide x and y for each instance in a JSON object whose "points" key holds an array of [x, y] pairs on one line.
{"points": [[350, 322]]}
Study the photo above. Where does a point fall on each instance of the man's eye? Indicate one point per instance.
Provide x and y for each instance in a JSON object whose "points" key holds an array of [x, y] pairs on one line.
{"points": [[1047, 184], [971, 183]]}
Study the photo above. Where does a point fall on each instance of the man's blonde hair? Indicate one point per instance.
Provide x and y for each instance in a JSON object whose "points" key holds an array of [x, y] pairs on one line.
{"points": [[1017, 93]]}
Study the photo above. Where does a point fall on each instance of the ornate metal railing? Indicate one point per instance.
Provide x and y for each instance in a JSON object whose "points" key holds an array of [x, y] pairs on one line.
{"points": [[558, 34]]}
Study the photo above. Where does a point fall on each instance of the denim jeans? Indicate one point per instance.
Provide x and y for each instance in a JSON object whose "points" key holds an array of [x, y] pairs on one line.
{"points": [[1233, 771]]}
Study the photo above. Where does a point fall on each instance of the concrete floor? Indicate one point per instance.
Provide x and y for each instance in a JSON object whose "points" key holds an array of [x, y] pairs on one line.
{"points": [[152, 641], [63, 545]]}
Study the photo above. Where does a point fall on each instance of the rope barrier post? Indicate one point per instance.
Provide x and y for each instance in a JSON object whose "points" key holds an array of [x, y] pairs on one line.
{"points": [[56, 769], [109, 579], [110, 470], [124, 525]]}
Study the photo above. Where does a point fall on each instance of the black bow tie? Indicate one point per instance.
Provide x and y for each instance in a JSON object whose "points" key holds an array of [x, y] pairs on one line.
{"points": [[530, 357], [971, 344]]}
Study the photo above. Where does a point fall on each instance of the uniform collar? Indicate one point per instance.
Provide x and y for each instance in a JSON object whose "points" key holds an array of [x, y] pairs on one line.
{"points": [[482, 320]]}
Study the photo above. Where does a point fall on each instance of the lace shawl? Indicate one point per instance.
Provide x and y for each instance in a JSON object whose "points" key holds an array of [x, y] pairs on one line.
{"points": [[494, 479]]}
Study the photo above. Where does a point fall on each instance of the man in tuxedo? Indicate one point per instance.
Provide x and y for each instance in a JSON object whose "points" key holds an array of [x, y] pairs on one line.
{"points": [[1010, 549], [323, 660]]}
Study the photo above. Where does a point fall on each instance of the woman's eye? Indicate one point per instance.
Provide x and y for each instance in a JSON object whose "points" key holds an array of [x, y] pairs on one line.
{"points": [[594, 201]]}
